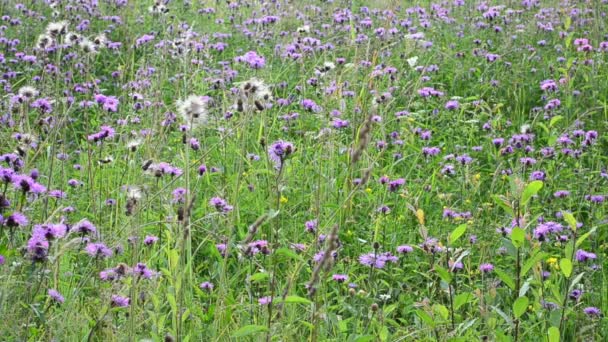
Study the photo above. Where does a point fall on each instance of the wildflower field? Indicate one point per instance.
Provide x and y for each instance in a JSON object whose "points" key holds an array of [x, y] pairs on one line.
{"points": [[255, 170]]}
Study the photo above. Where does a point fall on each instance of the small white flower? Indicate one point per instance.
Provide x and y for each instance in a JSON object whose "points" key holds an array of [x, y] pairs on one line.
{"points": [[304, 29], [193, 110], [412, 61], [58, 28], [28, 92]]}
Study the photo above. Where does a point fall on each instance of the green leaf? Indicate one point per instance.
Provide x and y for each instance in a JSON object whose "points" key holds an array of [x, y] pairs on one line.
{"points": [[288, 253], [584, 237], [441, 310], [457, 233], [383, 333], [555, 120], [260, 276], [531, 262], [505, 278], [249, 330], [443, 274], [518, 236], [576, 281], [462, 299], [426, 318], [570, 220], [519, 306], [297, 300], [503, 203], [566, 266], [530, 190], [553, 334]]}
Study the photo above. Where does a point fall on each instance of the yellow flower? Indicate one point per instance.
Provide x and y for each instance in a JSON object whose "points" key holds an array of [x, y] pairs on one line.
{"points": [[368, 190], [477, 176], [283, 200], [551, 261]]}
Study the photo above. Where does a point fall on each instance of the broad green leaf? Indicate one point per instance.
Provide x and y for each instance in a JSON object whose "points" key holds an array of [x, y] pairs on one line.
{"points": [[288, 253], [443, 274], [503, 203], [555, 120], [530, 190], [426, 318], [457, 233], [570, 220], [441, 310], [518, 236], [519, 306], [505, 278], [260, 276], [297, 300], [566, 266], [531, 262], [584, 237], [461, 300], [553, 334], [576, 281], [249, 330]]}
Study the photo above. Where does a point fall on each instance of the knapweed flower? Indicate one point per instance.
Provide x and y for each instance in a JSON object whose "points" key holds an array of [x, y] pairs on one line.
{"points": [[252, 58], [592, 311], [377, 260], [279, 151], [108, 103], [98, 250], [150, 240], [265, 300], [583, 256], [55, 296], [120, 301], [311, 226], [143, 271], [207, 286], [106, 132], [486, 268], [15, 220], [84, 227], [404, 249], [340, 278], [220, 204]]}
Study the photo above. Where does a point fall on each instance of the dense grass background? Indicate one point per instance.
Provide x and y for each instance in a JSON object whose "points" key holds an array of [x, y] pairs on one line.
{"points": [[357, 181]]}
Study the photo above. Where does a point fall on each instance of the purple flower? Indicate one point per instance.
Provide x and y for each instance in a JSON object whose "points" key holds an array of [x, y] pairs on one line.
{"points": [[592, 311], [56, 296], [15, 220], [254, 60], [207, 286], [452, 105], [377, 260], [486, 268], [220, 204], [582, 256], [143, 271], [265, 300], [84, 227], [405, 249], [340, 278], [150, 240], [396, 184], [98, 250], [311, 226], [120, 301], [279, 151], [179, 195]]}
